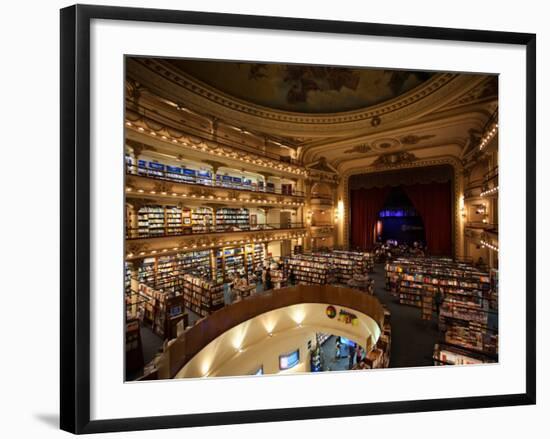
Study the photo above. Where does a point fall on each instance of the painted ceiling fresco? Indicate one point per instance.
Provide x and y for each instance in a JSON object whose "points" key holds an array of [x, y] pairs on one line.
{"points": [[303, 88]]}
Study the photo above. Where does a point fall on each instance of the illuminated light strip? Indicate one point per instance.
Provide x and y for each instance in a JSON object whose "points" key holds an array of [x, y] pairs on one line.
{"points": [[485, 140], [257, 161], [491, 246], [211, 197], [214, 245], [490, 191]]}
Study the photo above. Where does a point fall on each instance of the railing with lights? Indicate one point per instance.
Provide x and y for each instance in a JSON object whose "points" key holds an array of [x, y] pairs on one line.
{"points": [[209, 136], [217, 150], [171, 230], [489, 246], [489, 192], [201, 197], [216, 243], [176, 175]]}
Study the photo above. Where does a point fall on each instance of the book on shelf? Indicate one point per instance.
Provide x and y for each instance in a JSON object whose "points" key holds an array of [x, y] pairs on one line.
{"points": [[202, 296]]}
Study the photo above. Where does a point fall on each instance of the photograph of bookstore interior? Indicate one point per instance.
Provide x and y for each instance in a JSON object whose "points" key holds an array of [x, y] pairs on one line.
{"points": [[296, 218]]}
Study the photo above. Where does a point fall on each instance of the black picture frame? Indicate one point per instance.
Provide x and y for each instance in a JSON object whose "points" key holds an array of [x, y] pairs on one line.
{"points": [[75, 217]]}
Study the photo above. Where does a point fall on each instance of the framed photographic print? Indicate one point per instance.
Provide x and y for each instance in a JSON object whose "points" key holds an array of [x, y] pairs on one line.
{"points": [[255, 207]]}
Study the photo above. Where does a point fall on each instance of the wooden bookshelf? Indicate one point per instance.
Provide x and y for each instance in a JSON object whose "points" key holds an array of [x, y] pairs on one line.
{"points": [[240, 259], [322, 267], [307, 271], [202, 296], [201, 219], [230, 219]]}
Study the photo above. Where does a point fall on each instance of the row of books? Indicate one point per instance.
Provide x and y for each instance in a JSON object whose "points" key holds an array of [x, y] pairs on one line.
{"points": [[410, 279], [201, 295], [306, 271], [319, 267]]}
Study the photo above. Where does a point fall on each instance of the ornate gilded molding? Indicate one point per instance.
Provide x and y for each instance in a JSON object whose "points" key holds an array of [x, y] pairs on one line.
{"points": [[374, 113], [394, 159], [163, 79], [172, 137]]}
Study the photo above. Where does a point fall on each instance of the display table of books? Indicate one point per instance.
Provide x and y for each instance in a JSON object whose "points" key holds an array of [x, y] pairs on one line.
{"points": [[242, 291], [362, 282]]}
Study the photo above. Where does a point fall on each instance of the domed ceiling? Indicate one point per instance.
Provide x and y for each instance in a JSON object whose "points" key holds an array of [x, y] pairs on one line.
{"points": [[303, 88]]}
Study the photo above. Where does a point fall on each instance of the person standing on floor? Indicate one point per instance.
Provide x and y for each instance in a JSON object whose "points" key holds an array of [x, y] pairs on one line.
{"points": [[358, 354], [291, 277], [351, 352], [227, 293], [268, 285], [338, 347]]}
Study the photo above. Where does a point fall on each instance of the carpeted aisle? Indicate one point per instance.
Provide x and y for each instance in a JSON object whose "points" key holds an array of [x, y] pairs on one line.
{"points": [[413, 339]]}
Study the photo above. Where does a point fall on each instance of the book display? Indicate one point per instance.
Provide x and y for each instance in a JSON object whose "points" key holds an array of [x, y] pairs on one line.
{"points": [[231, 219], [242, 260], [157, 307], [428, 302], [173, 220], [306, 271], [326, 267], [363, 259], [232, 261], [201, 220], [408, 278], [465, 296], [259, 255], [202, 296], [278, 279], [466, 324], [151, 221], [163, 273], [445, 354]]}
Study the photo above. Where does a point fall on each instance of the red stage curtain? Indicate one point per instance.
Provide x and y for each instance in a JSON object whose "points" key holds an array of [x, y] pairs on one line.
{"points": [[365, 206], [433, 203]]}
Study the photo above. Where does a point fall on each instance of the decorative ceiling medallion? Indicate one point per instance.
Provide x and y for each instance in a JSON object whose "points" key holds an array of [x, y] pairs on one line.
{"points": [[394, 159], [386, 144]]}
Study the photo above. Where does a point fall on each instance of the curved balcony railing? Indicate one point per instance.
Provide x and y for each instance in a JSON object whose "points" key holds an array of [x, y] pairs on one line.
{"points": [[165, 231], [194, 339], [208, 181], [208, 135]]}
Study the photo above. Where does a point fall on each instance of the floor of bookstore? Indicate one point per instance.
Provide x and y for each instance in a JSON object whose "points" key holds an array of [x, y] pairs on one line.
{"points": [[413, 339]]}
